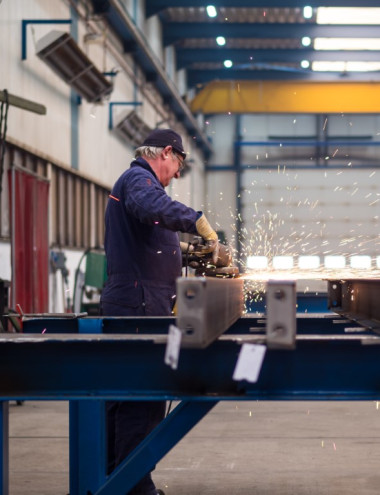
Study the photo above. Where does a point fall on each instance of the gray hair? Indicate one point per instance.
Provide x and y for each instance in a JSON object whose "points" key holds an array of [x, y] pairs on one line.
{"points": [[148, 151]]}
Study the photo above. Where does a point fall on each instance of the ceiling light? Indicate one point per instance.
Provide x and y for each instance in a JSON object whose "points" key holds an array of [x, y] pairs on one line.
{"points": [[335, 261], [228, 64], [308, 262], [339, 66], [211, 11], [61, 53], [347, 44], [360, 262], [306, 41], [307, 12], [221, 40], [282, 262], [305, 64], [257, 262], [348, 15]]}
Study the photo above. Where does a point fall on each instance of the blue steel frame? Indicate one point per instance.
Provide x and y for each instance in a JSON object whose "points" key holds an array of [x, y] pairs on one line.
{"points": [[119, 103], [91, 367], [4, 447]]}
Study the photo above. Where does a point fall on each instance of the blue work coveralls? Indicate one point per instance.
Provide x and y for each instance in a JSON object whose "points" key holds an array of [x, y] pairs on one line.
{"points": [[143, 261]]}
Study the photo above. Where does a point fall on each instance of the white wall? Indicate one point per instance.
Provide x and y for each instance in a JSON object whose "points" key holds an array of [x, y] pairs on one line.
{"points": [[331, 209], [312, 211], [101, 154], [33, 80]]}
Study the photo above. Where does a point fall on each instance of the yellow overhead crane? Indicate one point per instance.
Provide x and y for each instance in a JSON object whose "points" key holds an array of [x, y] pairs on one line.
{"points": [[287, 97]]}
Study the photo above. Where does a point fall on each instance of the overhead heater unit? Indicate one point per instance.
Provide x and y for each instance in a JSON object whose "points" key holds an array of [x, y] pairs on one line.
{"points": [[132, 128], [61, 53]]}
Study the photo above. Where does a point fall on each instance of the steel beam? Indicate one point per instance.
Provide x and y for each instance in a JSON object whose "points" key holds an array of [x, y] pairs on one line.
{"points": [[356, 299], [207, 307], [175, 31], [120, 367], [309, 96], [186, 57], [22, 103], [307, 324], [155, 6]]}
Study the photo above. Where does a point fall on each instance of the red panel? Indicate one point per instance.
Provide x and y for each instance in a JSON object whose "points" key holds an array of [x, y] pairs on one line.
{"points": [[31, 243]]}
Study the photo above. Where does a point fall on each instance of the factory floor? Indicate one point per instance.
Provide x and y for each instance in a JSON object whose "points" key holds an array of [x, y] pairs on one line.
{"points": [[240, 448]]}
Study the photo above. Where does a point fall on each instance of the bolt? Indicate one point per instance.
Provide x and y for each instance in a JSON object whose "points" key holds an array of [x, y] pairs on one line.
{"points": [[278, 331], [279, 294]]}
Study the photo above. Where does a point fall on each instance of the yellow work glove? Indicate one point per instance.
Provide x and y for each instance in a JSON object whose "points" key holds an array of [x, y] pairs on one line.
{"points": [[207, 233], [186, 247]]}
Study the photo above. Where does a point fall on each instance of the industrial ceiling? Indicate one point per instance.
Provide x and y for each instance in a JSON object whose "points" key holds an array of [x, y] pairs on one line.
{"points": [[263, 39], [264, 42]]}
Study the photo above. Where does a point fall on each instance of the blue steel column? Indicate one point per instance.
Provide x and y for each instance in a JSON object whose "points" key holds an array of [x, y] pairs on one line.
{"points": [[4, 447], [88, 441], [88, 446]]}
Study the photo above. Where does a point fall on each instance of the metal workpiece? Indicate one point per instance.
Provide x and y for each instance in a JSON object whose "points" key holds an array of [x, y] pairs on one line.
{"points": [[207, 307], [356, 299], [281, 324]]}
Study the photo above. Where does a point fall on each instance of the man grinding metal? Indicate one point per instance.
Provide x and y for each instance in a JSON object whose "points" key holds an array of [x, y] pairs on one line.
{"points": [[144, 259]]}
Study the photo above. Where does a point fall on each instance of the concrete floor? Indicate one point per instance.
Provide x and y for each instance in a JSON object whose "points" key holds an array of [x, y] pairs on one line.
{"points": [[255, 448]]}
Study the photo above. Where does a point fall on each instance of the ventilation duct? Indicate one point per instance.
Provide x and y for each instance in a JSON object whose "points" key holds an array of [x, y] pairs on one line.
{"points": [[132, 128], [61, 53]]}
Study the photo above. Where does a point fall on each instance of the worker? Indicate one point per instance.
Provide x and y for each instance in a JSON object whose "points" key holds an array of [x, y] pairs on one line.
{"points": [[144, 260]]}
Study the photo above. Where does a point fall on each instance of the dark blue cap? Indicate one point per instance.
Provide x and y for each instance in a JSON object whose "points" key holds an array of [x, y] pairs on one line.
{"points": [[165, 137]]}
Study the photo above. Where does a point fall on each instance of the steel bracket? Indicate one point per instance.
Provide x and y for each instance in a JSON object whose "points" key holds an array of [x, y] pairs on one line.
{"points": [[207, 307], [281, 322]]}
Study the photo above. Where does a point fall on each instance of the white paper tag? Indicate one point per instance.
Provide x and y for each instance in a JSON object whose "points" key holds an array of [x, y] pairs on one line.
{"points": [[173, 347], [249, 362]]}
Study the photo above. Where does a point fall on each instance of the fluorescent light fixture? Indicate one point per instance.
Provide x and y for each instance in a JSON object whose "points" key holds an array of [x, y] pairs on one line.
{"points": [[132, 129], [228, 64], [306, 41], [305, 64], [339, 66], [61, 53], [308, 262], [335, 261], [360, 262], [257, 262], [221, 40], [307, 12], [347, 44], [211, 11], [377, 261], [348, 15], [282, 262]]}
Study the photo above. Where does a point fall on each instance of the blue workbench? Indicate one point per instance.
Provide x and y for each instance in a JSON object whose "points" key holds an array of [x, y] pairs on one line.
{"points": [[98, 359]]}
